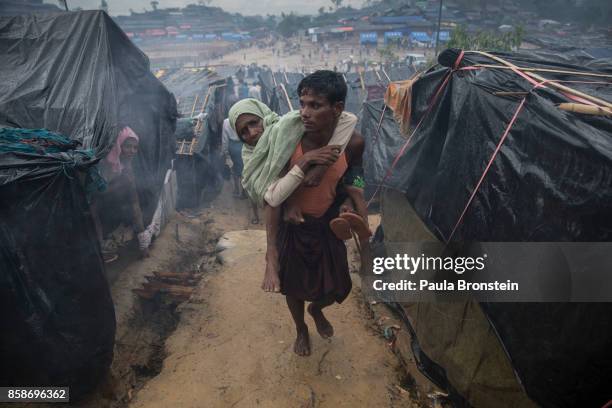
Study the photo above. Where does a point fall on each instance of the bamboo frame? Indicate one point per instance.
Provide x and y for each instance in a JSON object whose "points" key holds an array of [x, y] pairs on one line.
{"points": [[194, 104], [564, 88], [388, 79], [553, 71]]}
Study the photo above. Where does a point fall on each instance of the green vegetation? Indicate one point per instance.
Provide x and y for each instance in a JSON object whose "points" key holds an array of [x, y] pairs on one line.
{"points": [[291, 24], [484, 40], [585, 12], [336, 3], [387, 55]]}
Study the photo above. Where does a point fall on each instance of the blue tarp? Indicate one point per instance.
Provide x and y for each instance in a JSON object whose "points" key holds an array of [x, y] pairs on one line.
{"points": [[392, 35], [368, 38], [420, 36], [444, 36], [234, 36]]}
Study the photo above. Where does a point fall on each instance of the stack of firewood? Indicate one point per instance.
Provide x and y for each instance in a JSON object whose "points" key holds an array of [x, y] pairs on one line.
{"points": [[174, 286]]}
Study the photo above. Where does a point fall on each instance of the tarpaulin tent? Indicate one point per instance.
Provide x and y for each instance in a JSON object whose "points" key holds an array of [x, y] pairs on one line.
{"points": [[420, 36], [79, 74], [470, 117], [57, 316], [199, 163], [368, 38], [548, 179]]}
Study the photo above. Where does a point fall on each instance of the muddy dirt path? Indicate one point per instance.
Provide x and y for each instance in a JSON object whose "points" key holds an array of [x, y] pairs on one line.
{"points": [[233, 344]]}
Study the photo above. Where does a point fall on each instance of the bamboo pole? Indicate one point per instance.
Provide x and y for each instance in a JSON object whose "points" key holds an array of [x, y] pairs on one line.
{"points": [[586, 109], [286, 96], [193, 143], [361, 80], [553, 71], [206, 99], [564, 88], [388, 79], [194, 105]]}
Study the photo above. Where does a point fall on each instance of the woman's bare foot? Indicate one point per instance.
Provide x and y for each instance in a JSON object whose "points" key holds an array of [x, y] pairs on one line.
{"points": [[324, 327], [341, 228], [301, 347], [271, 282]]}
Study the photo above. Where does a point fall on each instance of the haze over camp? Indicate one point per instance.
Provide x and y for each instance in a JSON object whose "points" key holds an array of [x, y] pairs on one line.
{"points": [[361, 203]]}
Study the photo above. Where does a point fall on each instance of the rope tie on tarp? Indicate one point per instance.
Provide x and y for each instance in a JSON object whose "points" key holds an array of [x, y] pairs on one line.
{"points": [[382, 116], [431, 104], [518, 110]]}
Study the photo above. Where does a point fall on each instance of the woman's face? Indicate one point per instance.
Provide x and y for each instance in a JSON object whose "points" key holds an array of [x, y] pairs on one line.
{"points": [[249, 128], [129, 149]]}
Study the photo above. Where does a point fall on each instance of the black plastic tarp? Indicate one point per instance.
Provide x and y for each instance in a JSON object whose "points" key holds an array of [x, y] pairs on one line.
{"points": [[78, 74], [186, 83], [551, 181], [552, 178], [56, 313]]}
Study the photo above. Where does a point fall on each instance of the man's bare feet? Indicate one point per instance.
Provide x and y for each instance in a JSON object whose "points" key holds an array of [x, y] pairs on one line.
{"points": [[324, 327], [301, 347]]}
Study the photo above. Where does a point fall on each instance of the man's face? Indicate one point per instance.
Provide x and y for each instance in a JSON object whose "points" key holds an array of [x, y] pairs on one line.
{"points": [[317, 113], [249, 128]]}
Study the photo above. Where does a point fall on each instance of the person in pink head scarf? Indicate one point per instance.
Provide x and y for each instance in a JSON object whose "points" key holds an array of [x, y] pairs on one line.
{"points": [[123, 151], [120, 203]]}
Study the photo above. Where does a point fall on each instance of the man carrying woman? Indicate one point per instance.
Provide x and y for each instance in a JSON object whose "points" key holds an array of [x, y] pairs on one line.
{"points": [[305, 258]]}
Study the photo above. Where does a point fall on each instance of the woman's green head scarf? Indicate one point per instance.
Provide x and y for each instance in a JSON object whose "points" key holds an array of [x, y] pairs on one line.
{"points": [[264, 162], [254, 107]]}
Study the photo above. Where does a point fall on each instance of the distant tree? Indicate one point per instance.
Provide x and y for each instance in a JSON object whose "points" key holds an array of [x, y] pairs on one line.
{"points": [[104, 5], [485, 40], [154, 4], [270, 21], [321, 10], [291, 23], [336, 3]]}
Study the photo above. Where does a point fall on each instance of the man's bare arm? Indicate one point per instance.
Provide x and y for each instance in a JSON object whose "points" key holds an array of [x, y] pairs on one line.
{"points": [[355, 151]]}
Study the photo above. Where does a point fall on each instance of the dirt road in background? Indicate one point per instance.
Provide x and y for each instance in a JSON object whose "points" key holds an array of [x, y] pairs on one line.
{"points": [[233, 344]]}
